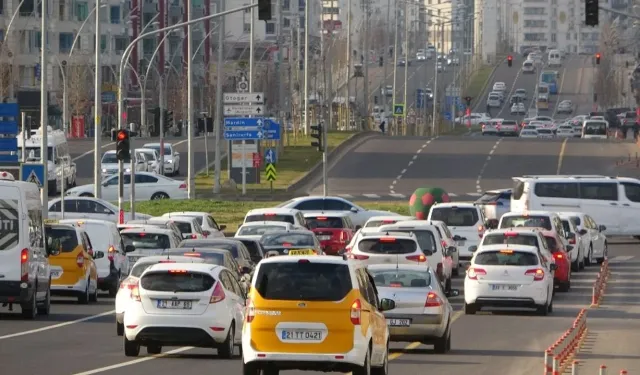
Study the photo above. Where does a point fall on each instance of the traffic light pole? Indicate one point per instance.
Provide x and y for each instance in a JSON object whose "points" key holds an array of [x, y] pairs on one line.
{"points": [[325, 180]]}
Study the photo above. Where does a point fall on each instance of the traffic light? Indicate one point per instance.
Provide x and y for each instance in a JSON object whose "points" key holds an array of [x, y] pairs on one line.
{"points": [[598, 58], [316, 132], [591, 13], [510, 60], [381, 63], [156, 118], [122, 145], [264, 10], [168, 119], [468, 100]]}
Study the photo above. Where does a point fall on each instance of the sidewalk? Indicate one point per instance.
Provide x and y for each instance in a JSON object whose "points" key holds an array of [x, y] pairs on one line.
{"points": [[613, 337]]}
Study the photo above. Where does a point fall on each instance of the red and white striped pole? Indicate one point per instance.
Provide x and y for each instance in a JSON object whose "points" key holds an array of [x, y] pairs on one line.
{"points": [[574, 368], [603, 370]]}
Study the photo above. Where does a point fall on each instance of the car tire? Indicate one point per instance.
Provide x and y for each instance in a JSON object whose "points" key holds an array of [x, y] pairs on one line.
{"points": [[271, 371], [456, 271], [159, 195], [543, 310], [447, 285], [131, 348], [119, 328], [83, 298], [45, 307], [470, 309], [575, 266], [30, 308], [443, 344], [365, 369], [550, 308], [113, 291], [94, 296], [564, 286], [250, 368], [154, 349], [227, 348], [384, 369]]}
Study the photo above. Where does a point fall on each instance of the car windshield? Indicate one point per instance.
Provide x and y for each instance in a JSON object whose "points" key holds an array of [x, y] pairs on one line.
{"points": [[526, 221], [176, 281], [401, 278], [167, 149], [510, 238], [322, 222], [143, 240], [391, 246], [274, 281], [270, 217], [258, 230], [455, 216], [506, 258], [33, 153], [288, 240], [109, 158]]}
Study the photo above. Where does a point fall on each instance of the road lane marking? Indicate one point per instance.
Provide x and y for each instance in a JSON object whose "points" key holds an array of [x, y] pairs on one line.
{"points": [[413, 158], [561, 155], [113, 143], [54, 326], [135, 361], [485, 165]]}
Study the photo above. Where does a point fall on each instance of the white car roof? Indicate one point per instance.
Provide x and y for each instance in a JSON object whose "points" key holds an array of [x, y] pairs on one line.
{"points": [[148, 229], [174, 258], [402, 227], [388, 217], [515, 247], [311, 258], [530, 213], [197, 267], [82, 221], [456, 204], [166, 144], [184, 219], [326, 214], [272, 210], [266, 222], [186, 213]]}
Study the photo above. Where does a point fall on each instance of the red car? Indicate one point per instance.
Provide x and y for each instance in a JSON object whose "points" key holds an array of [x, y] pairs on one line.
{"points": [[334, 230], [562, 275]]}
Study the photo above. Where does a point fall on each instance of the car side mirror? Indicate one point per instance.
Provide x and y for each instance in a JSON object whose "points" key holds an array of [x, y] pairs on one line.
{"points": [[222, 227], [553, 266], [602, 228], [98, 255], [582, 232], [387, 304], [453, 293], [452, 249], [354, 210], [457, 238], [129, 248]]}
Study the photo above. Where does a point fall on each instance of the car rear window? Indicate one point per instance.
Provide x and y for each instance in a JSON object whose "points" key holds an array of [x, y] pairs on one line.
{"points": [[208, 257], [255, 252], [377, 223], [506, 258], [67, 237], [288, 240], [456, 216], [526, 221], [387, 246], [322, 222], [143, 240], [270, 217], [488, 197], [258, 230], [551, 242], [401, 278], [140, 267], [274, 281], [177, 281], [232, 248], [183, 227], [576, 220], [426, 239], [519, 239]]}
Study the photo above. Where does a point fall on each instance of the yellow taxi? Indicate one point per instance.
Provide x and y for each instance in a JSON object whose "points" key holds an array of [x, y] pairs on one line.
{"points": [[314, 313], [73, 270]]}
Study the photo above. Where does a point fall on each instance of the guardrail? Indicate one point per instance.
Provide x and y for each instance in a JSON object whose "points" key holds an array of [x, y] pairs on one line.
{"points": [[558, 356], [599, 286], [603, 369]]}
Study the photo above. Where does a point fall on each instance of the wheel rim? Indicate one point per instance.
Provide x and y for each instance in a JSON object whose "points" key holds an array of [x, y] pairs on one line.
{"points": [[231, 339]]}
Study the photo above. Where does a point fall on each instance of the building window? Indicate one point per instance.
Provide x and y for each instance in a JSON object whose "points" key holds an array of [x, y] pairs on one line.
{"points": [[103, 43], [301, 5], [285, 4], [301, 22], [121, 43], [534, 11], [270, 28], [62, 10], [553, 38], [246, 28], [66, 41], [114, 14], [148, 45], [82, 10], [534, 23], [286, 22]]}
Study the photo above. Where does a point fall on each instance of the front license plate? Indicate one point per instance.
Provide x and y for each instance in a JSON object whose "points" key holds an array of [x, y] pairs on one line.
{"points": [[503, 287], [301, 335], [324, 238], [399, 322], [174, 304]]}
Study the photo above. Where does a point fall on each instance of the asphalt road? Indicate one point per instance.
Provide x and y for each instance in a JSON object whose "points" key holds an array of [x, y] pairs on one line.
{"points": [[81, 340]]}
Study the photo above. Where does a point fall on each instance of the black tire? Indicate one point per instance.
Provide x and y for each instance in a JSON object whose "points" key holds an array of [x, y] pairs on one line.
{"points": [[227, 348], [575, 266], [443, 344], [154, 349], [30, 308], [456, 271], [271, 371], [470, 309], [113, 290], [159, 195], [365, 369], [83, 298], [542, 310], [384, 369], [447, 286], [45, 307], [550, 308], [119, 328], [250, 368], [131, 348], [564, 287]]}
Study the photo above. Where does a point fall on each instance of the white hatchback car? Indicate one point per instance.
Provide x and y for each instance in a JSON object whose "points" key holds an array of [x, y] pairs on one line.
{"points": [[170, 155], [499, 86], [184, 304], [208, 224], [509, 276], [381, 248]]}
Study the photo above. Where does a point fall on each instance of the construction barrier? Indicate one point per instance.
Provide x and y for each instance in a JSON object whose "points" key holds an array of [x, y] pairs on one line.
{"points": [[558, 356], [600, 284], [603, 369]]}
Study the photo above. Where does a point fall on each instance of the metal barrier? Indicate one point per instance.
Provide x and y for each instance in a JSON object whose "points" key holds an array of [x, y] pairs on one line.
{"points": [[603, 369], [600, 284], [558, 355]]}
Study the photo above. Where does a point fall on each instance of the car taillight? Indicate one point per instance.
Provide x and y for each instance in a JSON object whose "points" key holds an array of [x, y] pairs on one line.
{"points": [[182, 186], [558, 255], [129, 283], [251, 312], [538, 274], [80, 260], [420, 258], [218, 293], [357, 256], [356, 308], [24, 265], [111, 252], [432, 300], [444, 244], [473, 273], [135, 293], [572, 241], [194, 236]]}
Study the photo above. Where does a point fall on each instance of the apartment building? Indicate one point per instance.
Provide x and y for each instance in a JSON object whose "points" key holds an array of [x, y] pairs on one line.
{"points": [[440, 17]]}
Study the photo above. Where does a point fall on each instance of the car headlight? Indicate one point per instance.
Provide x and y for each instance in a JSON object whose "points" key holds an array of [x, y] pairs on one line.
{"points": [[168, 161], [104, 170], [128, 170]]}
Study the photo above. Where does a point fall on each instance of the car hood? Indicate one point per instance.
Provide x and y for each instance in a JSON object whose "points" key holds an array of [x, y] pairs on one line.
{"points": [[109, 166]]}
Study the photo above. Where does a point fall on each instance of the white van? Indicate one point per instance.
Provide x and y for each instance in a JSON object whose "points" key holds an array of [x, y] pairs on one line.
{"points": [[595, 129], [555, 58], [25, 277], [611, 201], [59, 161]]}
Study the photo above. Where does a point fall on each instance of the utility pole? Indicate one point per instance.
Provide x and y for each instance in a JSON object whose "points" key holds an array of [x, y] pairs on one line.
{"points": [[385, 63], [191, 193], [97, 102], [279, 64], [406, 67], [219, 95], [306, 68], [395, 69], [348, 85], [366, 60], [44, 116], [435, 88]]}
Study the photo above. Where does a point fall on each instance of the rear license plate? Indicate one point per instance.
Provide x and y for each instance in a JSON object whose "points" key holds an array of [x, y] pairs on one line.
{"points": [[56, 274], [174, 304], [503, 287], [399, 322], [301, 252], [324, 238], [301, 335]]}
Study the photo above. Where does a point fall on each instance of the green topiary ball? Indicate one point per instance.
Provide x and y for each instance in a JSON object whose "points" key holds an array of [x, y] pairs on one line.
{"points": [[423, 198]]}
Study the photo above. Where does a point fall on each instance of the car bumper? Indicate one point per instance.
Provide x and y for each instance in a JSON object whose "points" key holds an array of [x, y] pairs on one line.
{"points": [[422, 326], [69, 289], [526, 295], [15, 292], [169, 167]]}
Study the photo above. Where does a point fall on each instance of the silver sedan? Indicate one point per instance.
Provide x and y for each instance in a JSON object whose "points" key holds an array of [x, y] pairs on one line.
{"points": [[565, 106], [422, 311]]}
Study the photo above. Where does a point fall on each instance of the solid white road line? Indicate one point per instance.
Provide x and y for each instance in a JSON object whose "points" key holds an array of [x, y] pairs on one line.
{"points": [[54, 326], [135, 361], [372, 196]]}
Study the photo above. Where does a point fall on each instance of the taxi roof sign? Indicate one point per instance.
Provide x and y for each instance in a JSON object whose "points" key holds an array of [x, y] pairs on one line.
{"points": [[302, 252]]}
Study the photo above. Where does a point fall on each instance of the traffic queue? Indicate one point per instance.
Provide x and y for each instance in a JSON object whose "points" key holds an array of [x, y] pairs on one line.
{"points": [[321, 290]]}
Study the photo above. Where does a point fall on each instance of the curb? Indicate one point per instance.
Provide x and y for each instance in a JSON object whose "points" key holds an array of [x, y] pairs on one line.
{"points": [[301, 185]]}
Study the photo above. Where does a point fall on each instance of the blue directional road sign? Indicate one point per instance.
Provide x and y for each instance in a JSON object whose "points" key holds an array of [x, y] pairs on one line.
{"points": [[447, 116], [420, 98], [9, 113], [247, 128], [271, 130], [270, 156], [32, 172]]}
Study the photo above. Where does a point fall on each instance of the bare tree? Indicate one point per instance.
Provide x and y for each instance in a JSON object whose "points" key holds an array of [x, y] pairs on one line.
{"points": [[177, 95], [79, 84], [607, 87], [7, 78]]}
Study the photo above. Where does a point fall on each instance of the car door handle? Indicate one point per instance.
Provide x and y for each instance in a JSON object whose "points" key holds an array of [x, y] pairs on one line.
{"points": [[613, 204], [626, 204]]}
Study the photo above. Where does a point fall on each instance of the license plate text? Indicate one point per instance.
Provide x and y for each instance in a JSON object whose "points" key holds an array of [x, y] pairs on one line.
{"points": [[174, 304], [301, 335]]}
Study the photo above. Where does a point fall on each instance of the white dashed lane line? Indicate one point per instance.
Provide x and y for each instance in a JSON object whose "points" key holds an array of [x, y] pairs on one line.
{"points": [[402, 173], [484, 166]]}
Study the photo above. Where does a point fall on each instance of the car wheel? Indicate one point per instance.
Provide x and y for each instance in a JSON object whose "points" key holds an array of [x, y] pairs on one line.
{"points": [[159, 195], [543, 310], [94, 296], [589, 259], [119, 328], [113, 291], [154, 349], [443, 344], [131, 348], [365, 369], [30, 308], [250, 368], [45, 308], [470, 309], [565, 286], [83, 298], [456, 271], [447, 285], [227, 348], [384, 369]]}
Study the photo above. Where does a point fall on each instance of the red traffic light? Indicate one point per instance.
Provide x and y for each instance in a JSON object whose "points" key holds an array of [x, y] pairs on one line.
{"points": [[509, 57], [122, 135], [597, 55]]}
